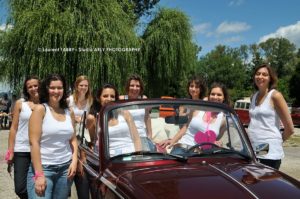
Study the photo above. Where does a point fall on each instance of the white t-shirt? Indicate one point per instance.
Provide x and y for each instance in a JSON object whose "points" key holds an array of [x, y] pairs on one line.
{"points": [[264, 127], [55, 145], [198, 124], [22, 139]]}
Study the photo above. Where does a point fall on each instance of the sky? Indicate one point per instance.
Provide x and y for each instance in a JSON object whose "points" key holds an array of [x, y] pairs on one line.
{"points": [[231, 22], [237, 22]]}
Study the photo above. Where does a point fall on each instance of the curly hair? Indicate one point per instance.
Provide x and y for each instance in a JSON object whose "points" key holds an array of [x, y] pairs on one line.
{"points": [[199, 83], [44, 90]]}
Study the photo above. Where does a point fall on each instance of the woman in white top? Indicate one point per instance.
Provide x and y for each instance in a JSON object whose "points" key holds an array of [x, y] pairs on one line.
{"points": [[18, 142], [267, 108], [53, 142], [135, 89], [210, 129], [123, 134], [80, 101]]}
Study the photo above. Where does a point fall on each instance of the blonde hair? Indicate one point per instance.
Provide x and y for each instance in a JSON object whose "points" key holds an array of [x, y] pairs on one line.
{"points": [[88, 94]]}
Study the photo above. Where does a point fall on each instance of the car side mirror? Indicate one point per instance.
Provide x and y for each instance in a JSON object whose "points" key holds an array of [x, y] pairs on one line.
{"points": [[262, 149], [176, 119]]}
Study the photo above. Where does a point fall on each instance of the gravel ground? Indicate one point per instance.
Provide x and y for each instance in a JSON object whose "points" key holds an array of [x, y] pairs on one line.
{"points": [[290, 165]]}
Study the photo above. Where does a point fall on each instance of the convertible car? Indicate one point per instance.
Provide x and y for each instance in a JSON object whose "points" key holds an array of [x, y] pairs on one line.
{"points": [[127, 159]]}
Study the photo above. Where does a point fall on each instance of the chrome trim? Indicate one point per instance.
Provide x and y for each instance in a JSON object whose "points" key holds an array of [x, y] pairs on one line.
{"points": [[236, 181], [111, 186]]}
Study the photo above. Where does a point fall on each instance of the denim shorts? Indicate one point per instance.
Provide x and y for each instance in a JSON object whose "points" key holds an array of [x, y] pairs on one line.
{"points": [[58, 185]]}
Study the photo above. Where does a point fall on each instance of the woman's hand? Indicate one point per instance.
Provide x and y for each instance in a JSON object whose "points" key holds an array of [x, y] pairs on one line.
{"points": [[72, 169], [40, 186], [165, 143]]}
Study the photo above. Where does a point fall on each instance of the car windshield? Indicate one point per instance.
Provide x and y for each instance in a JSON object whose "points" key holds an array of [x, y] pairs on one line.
{"points": [[171, 130]]}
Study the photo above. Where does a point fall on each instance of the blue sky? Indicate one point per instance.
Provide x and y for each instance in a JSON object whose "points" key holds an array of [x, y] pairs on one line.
{"points": [[232, 22], [237, 22]]}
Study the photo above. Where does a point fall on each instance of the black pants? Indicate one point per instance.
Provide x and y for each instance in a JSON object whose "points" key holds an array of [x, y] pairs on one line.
{"points": [[21, 164], [272, 163], [82, 186]]}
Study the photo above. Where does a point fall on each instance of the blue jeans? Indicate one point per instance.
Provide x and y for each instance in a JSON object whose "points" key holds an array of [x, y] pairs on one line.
{"points": [[178, 151], [58, 185], [147, 144]]}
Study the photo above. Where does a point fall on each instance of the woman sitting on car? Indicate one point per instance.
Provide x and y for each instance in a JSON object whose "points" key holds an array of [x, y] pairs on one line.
{"points": [[209, 130], [123, 134]]}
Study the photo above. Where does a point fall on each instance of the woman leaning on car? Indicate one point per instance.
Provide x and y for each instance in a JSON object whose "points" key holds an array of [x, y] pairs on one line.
{"points": [[267, 108]]}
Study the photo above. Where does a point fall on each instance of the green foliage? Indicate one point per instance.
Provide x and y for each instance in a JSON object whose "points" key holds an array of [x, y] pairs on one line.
{"points": [[280, 53], [294, 85], [65, 37], [224, 65], [169, 54]]}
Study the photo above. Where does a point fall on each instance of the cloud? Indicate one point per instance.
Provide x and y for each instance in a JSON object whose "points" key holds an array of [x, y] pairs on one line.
{"points": [[4, 27], [291, 32], [235, 3], [233, 39], [201, 28], [232, 27]]}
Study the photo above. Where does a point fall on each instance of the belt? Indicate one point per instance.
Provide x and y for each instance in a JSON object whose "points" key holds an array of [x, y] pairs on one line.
{"points": [[184, 146]]}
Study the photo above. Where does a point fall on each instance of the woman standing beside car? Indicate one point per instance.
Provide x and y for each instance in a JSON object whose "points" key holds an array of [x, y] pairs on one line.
{"points": [[53, 142], [18, 152], [267, 108]]}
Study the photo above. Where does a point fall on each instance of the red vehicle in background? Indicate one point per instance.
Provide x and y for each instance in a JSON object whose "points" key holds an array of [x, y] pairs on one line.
{"points": [[295, 113], [241, 107]]}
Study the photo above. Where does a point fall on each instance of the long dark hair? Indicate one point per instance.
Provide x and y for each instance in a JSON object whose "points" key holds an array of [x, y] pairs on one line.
{"points": [[96, 106], [25, 92], [199, 83], [44, 90], [224, 90]]}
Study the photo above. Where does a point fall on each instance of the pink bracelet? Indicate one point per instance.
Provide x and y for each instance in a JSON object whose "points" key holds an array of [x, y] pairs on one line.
{"points": [[37, 175], [8, 154]]}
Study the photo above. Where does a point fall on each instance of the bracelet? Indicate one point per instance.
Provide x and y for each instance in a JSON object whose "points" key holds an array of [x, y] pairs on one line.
{"points": [[8, 154], [37, 175]]}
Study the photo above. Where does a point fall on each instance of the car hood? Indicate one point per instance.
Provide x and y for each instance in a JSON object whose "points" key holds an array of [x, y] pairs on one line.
{"points": [[207, 181]]}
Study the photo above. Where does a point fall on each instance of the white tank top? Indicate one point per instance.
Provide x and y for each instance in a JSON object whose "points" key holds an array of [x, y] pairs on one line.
{"points": [[198, 124], [120, 140], [77, 111], [138, 116], [264, 127], [55, 146], [22, 140]]}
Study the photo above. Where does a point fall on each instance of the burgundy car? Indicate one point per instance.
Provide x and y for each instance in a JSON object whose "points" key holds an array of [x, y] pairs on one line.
{"points": [[119, 167]]}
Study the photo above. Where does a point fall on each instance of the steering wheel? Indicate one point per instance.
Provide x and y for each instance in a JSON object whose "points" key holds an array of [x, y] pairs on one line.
{"points": [[201, 144]]}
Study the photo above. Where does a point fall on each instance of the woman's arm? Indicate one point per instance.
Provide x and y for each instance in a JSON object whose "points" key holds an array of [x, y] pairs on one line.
{"points": [[13, 129], [35, 133], [283, 112], [74, 147], [170, 143], [91, 127], [147, 121], [133, 131]]}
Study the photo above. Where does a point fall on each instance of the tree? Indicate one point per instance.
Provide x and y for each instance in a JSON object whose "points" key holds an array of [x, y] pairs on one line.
{"points": [[169, 52], [280, 53], [295, 85], [71, 38]]}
